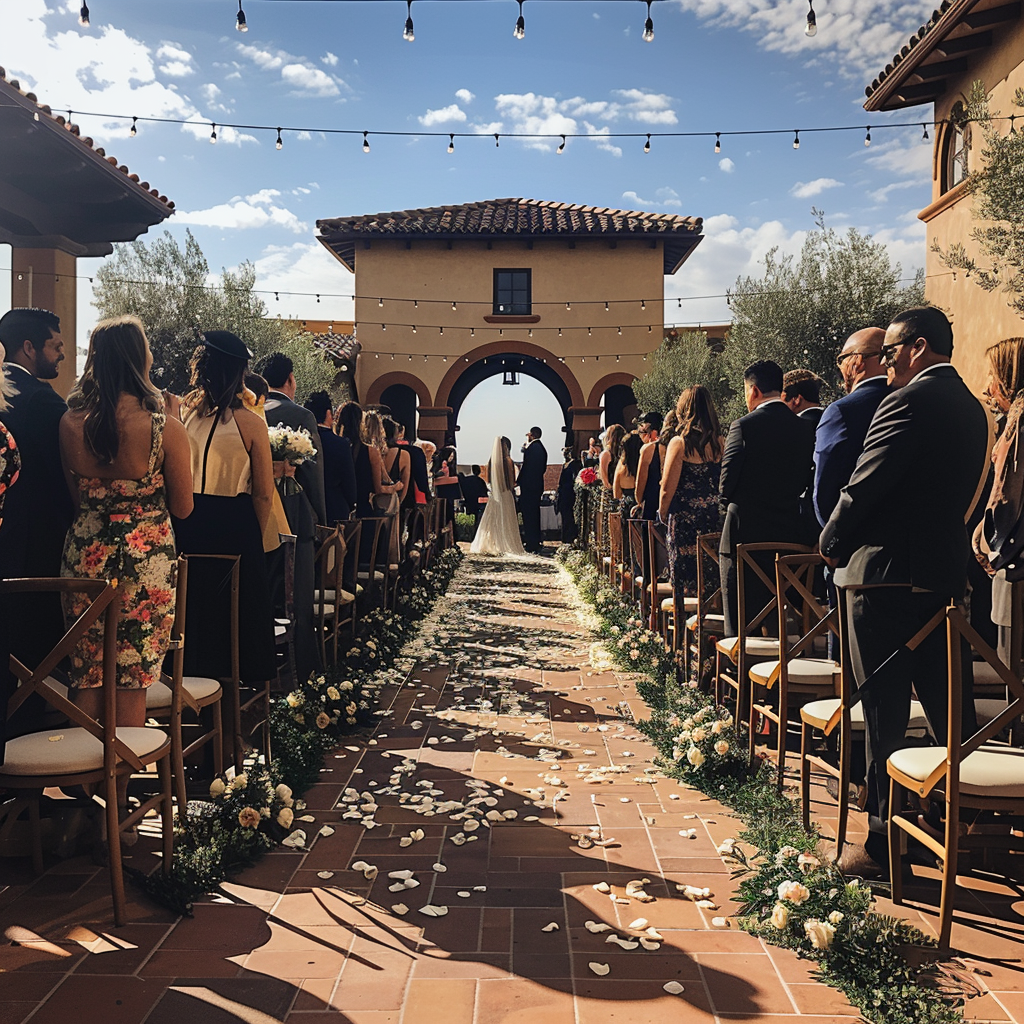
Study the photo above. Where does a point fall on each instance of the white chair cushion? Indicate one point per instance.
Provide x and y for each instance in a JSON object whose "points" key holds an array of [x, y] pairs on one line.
{"points": [[668, 605], [198, 688], [607, 560], [818, 712], [802, 671], [67, 751], [364, 574], [664, 588], [993, 771], [279, 630], [329, 595], [711, 622], [756, 646]]}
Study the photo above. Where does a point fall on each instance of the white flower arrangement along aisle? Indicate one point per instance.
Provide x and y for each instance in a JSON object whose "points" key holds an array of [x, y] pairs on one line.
{"points": [[790, 895], [258, 808]]}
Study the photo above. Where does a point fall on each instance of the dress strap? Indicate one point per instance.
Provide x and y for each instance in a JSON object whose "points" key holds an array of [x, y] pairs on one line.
{"points": [[157, 422]]}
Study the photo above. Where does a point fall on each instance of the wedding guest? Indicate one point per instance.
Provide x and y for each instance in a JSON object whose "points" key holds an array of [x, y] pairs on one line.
{"points": [[648, 472], [419, 493], [565, 496], [367, 459], [531, 488], [339, 469], [768, 463], [899, 526], [611, 452], [10, 466], [591, 456], [232, 485], [128, 468], [254, 398], [397, 463], [473, 489], [688, 497], [624, 481], [38, 512], [446, 483], [429, 449], [801, 391], [844, 424]]}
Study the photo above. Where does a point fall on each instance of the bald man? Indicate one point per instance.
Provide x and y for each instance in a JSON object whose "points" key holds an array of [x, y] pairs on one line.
{"points": [[839, 438]]}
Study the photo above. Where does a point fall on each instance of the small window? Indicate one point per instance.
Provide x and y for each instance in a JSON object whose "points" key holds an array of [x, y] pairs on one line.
{"points": [[512, 293], [957, 150]]}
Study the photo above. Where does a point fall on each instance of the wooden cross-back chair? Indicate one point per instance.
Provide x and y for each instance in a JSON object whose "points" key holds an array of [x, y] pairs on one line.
{"points": [[612, 565], [600, 538], [976, 773], [640, 553], [88, 752], [707, 623], [663, 614], [333, 605], [796, 676], [735, 654], [196, 694], [373, 573]]}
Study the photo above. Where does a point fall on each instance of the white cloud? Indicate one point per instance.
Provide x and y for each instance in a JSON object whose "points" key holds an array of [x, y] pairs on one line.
{"points": [[881, 195], [665, 197], [859, 35], [902, 152], [258, 210], [305, 267], [304, 78], [807, 189], [453, 112], [330, 59], [646, 107], [464, 96], [725, 164], [177, 62]]}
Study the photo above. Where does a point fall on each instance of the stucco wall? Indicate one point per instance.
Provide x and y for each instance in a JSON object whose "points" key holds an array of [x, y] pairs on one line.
{"points": [[979, 317], [586, 277]]}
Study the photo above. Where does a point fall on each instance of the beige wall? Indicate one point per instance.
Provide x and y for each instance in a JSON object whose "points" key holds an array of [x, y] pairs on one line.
{"points": [[979, 317], [632, 271]]}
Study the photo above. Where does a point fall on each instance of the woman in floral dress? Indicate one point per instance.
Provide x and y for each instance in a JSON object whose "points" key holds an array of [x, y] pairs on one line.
{"points": [[129, 468]]}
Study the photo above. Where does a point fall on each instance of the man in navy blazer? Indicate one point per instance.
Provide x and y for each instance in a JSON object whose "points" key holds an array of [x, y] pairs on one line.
{"points": [[839, 439]]}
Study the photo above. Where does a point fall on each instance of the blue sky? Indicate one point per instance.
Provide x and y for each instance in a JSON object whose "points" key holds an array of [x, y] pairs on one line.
{"points": [[714, 65]]}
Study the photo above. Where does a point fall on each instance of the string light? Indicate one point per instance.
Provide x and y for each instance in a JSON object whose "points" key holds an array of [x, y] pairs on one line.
{"points": [[366, 143], [280, 143], [648, 36], [213, 133], [718, 142], [924, 136], [561, 148], [451, 142], [454, 306], [519, 32], [647, 144], [380, 302], [495, 140], [796, 140], [867, 137], [133, 131], [408, 35], [83, 16], [1013, 131], [812, 20], [240, 23]]}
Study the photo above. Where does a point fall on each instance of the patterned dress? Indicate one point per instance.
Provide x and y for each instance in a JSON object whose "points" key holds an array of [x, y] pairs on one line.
{"points": [[10, 465], [123, 532], [692, 511]]}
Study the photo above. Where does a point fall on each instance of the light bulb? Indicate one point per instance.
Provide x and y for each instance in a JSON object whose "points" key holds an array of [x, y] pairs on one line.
{"points": [[240, 24], [519, 32], [796, 140], [83, 16], [561, 148], [648, 36], [718, 142], [451, 142], [867, 137], [133, 131], [213, 133], [408, 35], [366, 143], [280, 142], [924, 137], [496, 140], [812, 21], [647, 144]]}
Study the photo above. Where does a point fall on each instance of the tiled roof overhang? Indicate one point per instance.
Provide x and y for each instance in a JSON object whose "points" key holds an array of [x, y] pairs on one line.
{"points": [[527, 219]]}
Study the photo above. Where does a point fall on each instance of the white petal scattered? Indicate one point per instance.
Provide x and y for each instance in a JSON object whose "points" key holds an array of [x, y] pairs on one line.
{"points": [[400, 908], [464, 893], [603, 887], [599, 969], [552, 927], [431, 911], [720, 922], [596, 928], [325, 874], [650, 944], [440, 868], [639, 924], [673, 988]]}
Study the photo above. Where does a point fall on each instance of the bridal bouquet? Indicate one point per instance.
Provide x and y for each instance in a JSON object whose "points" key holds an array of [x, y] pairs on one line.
{"points": [[291, 445], [587, 477]]}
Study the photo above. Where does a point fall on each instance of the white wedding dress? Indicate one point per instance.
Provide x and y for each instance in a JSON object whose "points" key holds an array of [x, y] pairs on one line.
{"points": [[498, 532]]}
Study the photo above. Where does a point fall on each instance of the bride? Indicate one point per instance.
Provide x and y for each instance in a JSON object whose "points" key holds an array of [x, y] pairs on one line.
{"points": [[498, 532]]}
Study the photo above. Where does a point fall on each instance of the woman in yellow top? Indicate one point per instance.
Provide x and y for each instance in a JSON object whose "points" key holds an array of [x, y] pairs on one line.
{"points": [[233, 487]]}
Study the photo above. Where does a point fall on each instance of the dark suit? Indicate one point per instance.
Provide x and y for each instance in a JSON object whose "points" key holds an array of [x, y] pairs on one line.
{"points": [[767, 465], [304, 511], [812, 416], [899, 527], [531, 487], [37, 513], [473, 489], [840, 440], [339, 475], [565, 500]]}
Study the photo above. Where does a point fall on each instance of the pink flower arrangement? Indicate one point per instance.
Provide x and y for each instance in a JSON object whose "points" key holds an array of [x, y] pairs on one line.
{"points": [[587, 476]]}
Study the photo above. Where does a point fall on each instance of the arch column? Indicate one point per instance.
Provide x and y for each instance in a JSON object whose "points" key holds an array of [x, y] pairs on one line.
{"points": [[433, 424], [586, 423]]}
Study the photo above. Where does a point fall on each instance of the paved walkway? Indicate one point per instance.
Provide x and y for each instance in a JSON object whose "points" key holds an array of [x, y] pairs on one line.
{"points": [[501, 717]]}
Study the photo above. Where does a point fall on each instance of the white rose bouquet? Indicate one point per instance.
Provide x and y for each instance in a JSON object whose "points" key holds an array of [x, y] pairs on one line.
{"points": [[292, 445]]}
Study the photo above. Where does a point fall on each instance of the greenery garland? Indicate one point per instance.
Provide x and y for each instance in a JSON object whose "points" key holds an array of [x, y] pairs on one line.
{"points": [[789, 894], [255, 810]]}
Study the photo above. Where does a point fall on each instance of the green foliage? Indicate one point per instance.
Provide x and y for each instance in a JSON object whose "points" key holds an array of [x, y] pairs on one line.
{"points": [[997, 186], [170, 289], [682, 360], [823, 917], [465, 527]]}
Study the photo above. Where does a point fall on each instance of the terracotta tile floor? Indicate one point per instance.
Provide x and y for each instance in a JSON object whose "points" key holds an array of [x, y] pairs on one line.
{"points": [[500, 702]]}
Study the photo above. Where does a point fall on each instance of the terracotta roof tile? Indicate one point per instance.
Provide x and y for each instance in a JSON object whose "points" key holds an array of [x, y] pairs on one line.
{"points": [[44, 110], [336, 346]]}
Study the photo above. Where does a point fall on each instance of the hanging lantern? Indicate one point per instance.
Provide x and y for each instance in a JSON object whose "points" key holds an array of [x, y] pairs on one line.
{"points": [[510, 377]]}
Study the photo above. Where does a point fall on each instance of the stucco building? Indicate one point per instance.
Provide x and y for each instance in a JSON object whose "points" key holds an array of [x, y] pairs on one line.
{"points": [[449, 296], [965, 41]]}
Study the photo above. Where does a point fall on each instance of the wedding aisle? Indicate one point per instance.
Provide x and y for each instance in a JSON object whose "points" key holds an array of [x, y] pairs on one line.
{"points": [[501, 851]]}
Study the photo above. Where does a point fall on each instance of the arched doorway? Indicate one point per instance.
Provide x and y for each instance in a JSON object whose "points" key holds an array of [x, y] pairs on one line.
{"points": [[404, 394], [614, 393]]}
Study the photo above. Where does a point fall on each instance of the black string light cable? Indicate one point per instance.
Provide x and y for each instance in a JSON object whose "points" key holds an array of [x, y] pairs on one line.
{"points": [[552, 137]]}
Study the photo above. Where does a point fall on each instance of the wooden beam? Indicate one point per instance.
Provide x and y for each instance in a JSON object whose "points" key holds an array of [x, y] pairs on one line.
{"points": [[993, 16], [964, 44], [922, 91], [941, 68]]}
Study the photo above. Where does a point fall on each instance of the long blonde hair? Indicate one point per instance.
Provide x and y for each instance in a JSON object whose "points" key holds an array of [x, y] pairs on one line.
{"points": [[1007, 360], [373, 431], [7, 390]]}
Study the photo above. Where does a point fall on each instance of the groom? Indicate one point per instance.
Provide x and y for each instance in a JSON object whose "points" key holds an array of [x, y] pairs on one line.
{"points": [[531, 487]]}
